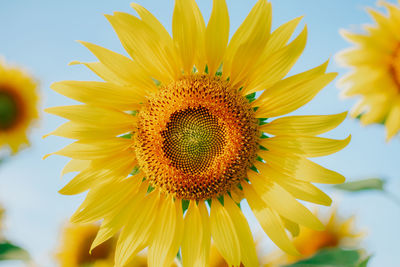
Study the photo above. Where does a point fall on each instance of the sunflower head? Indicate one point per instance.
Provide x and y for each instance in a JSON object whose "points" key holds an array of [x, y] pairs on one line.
{"points": [[375, 70], [18, 106], [175, 138]]}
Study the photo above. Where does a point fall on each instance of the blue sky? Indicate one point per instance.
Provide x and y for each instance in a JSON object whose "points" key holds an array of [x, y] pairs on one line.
{"points": [[40, 35]]}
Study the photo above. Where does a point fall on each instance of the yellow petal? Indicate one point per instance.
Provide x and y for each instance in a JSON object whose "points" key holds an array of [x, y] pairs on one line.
{"points": [[269, 220], [188, 30], [75, 165], [224, 234], [206, 243], [307, 146], [247, 44], [104, 199], [115, 170], [115, 221], [102, 71], [280, 37], [138, 230], [177, 241], [299, 189], [217, 35], [393, 121], [123, 67], [276, 66], [95, 116], [290, 95], [95, 149], [300, 168], [163, 234], [247, 246], [103, 94], [284, 203], [80, 131], [145, 46], [193, 237], [304, 125]]}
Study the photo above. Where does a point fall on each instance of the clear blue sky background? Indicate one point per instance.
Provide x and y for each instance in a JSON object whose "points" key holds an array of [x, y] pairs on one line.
{"points": [[40, 34]]}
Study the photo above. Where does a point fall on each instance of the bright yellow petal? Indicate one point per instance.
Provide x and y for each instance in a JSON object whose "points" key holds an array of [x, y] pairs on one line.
{"points": [[103, 94], [224, 234], [188, 28], [284, 203], [269, 220], [277, 65], [303, 125], [138, 230], [145, 46], [393, 121], [164, 231], [104, 199], [75, 165], [247, 246], [287, 96], [95, 116], [247, 44], [193, 237], [94, 149], [123, 67], [300, 168], [217, 35], [206, 243], [102, 71], [298, 189], [280, 37], [115, 170], [307, 146]]}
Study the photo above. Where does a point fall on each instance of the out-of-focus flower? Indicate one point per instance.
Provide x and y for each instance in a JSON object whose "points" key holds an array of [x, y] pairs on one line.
{"points": [[338, 233], [1, 222], [182, 113], [375, 70], [75, 251], [18, 106]]}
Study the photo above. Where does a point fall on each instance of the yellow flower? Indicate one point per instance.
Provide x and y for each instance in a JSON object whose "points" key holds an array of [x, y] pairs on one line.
{"points": [[75, 246], [338, 233], [18, 106], [180, 113], [75, 249], [375, 75]]}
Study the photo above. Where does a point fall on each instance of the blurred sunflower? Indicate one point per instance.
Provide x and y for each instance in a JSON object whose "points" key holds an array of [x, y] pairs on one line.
{"points": [[338, 233], [375, 75], [18, 106], [75, 249], [182, 115]]}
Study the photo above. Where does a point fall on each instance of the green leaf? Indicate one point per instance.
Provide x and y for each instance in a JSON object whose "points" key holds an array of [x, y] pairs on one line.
{"points": [[362, 185], [9, 251], [336, 257]]}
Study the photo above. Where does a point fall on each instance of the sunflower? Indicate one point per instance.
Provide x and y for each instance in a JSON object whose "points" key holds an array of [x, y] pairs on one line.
{"points": [[338, 233], [375, 75], [174, 138], [75, 246], [75, 249], [18, 106]]}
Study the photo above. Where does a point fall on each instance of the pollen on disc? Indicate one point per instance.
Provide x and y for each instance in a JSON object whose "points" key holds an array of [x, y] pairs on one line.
{"points": [[196, 137]]}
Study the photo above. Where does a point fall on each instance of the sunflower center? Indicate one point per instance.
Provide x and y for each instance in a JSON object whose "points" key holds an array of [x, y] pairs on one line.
{"points": [[192, 139], [196, 137], [8, 110], [396, 67]]}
